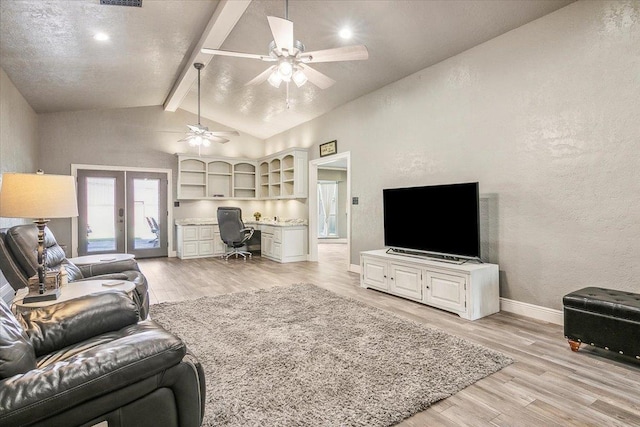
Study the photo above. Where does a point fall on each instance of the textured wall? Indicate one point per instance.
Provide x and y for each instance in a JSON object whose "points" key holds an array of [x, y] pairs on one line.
{"points": [[130, 137], [545, 117], [18, 145], [18, 133]]}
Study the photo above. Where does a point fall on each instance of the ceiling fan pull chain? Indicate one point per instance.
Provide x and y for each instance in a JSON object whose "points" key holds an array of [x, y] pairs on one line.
{"points": [[288, 105], [199, 68]]}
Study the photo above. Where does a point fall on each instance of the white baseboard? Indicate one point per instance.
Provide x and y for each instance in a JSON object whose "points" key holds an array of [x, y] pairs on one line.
{"points": [[355, 268], [534, 311]]}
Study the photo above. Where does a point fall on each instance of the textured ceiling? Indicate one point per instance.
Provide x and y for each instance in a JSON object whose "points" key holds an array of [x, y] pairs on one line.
{"points": [[48, 51], [46, 48]]}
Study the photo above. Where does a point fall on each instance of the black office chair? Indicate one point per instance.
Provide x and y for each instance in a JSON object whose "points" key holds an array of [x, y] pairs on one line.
{"points": [[233, 231], [155, 229]]}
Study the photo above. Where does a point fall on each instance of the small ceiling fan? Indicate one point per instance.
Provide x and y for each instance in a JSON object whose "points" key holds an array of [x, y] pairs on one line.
{"points": [[291, 60], [199, 135]]}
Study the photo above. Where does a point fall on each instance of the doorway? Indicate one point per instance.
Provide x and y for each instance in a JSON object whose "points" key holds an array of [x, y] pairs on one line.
{"points": [[338, 162], [121, 211]]}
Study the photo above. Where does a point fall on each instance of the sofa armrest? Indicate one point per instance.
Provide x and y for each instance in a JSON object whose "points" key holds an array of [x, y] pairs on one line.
{"points": [[60, 325], [96, 269], [103, 365]]}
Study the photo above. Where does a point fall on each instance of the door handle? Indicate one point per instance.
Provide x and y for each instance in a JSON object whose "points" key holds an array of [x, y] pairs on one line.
{"points": [[121, 212]]}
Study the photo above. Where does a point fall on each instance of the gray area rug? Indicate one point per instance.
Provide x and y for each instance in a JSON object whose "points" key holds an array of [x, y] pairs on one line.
{"points": [[303, 356]]}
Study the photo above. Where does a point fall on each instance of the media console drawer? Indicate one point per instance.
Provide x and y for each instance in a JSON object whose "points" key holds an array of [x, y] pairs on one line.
{"points": [[470, 290]]}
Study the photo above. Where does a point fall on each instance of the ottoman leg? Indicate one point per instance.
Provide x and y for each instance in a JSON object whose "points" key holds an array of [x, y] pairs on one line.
{"points": [[575, 345]]}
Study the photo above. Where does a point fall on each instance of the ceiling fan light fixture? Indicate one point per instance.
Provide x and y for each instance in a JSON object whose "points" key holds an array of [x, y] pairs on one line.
{"points": [[299, 78], [285, 69], [275, 79]]}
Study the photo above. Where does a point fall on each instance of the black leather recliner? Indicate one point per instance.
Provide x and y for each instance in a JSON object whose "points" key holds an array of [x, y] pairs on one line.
{"points": [[19, 261], [90, 360]]}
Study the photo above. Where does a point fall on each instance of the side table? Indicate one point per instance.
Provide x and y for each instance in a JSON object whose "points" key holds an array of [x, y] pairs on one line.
{"points": [[72, 290], [101, 258]]}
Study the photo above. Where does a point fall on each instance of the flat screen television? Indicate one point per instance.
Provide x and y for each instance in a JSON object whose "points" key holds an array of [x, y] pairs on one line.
{"points": [[446, 225]]}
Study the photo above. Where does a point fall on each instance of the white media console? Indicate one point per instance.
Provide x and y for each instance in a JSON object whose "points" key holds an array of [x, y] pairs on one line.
{"points": [[470, 290]]}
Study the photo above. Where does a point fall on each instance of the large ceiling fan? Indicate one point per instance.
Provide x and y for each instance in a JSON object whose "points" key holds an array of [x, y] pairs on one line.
{"points": [[291, 62], [199, 135]]}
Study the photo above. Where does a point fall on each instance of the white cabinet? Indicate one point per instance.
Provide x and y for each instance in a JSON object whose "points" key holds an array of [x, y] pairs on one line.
{"points": [[393, 277], [219, 247], [199, 241], [216, 178], [446, 291], [284, 175], [406, 280], [280, 176], [283, 244], [470, 290]]}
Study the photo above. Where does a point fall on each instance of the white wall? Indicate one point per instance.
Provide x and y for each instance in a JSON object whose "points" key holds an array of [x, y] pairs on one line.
{"points": [[545, 117]]}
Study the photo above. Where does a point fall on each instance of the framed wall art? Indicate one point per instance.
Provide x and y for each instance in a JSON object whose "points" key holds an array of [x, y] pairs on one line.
{"points": [[329, 148]]}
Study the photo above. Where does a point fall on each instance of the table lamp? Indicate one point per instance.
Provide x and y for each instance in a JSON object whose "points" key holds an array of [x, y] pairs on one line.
{"points": [[39, 197]]}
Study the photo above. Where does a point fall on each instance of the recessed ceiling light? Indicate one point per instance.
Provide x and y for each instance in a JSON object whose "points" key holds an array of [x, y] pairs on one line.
{"points": [[101, 37], [345, 33]]}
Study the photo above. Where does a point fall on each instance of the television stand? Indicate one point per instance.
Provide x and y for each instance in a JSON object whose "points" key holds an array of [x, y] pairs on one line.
{"points": [[435, 257], [469, 290]]}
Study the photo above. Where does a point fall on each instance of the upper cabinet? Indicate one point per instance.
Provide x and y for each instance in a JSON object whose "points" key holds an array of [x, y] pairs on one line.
{"points": [[279, 176], [216, 178], [192, 178], [284, 175]]}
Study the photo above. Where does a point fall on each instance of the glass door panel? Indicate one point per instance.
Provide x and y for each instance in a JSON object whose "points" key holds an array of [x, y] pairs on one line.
{"points": [[101, 212], [327, 209], [147, 214]]}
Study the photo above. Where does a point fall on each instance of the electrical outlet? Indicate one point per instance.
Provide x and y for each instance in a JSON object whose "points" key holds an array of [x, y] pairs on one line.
{"points": [[354, 200]]}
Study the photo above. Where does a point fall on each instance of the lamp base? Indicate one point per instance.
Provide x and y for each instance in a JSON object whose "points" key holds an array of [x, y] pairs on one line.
{"points": [[49, 295]]}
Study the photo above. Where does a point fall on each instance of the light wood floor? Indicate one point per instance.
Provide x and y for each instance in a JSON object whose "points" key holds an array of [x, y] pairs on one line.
{"points": [[548, 385]]}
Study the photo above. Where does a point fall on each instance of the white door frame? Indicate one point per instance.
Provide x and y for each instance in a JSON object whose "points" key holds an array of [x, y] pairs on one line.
{"points": [[74, 220], [313, 203]]}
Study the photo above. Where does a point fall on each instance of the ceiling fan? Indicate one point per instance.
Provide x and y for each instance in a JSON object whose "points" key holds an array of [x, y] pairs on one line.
{"points": [[291, 62], [199, 135]]}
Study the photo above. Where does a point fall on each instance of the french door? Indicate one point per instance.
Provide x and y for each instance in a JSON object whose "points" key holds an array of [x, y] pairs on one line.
{"points": [[122, 211]]}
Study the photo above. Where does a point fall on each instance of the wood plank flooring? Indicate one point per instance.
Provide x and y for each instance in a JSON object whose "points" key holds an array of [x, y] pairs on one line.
{"points": [[548, 385]]}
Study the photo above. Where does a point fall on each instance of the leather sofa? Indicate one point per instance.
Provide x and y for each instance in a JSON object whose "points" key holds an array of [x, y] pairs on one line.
{"points": [[90, 360], [19, 261]]}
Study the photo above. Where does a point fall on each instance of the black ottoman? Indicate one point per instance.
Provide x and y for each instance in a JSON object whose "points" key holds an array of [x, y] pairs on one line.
{"points": [[604, 318]]}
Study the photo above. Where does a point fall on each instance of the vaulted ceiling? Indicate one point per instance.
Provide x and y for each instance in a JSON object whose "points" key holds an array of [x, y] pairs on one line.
{"points": [[48, 50]]}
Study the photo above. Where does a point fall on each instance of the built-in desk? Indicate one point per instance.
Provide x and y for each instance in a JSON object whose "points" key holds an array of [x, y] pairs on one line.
{"points": [[282, 241]]}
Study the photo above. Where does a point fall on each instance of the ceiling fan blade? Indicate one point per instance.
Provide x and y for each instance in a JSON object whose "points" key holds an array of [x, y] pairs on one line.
{"points": [[223, 133], [237, 54], [261, 77], [218, 139], [345, 53], [316, 77], [282, 30], [188, 138], [197, 128]]}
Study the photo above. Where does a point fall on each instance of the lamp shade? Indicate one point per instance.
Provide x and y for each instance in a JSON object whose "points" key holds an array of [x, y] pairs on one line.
{"points": [[25, 195]]}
